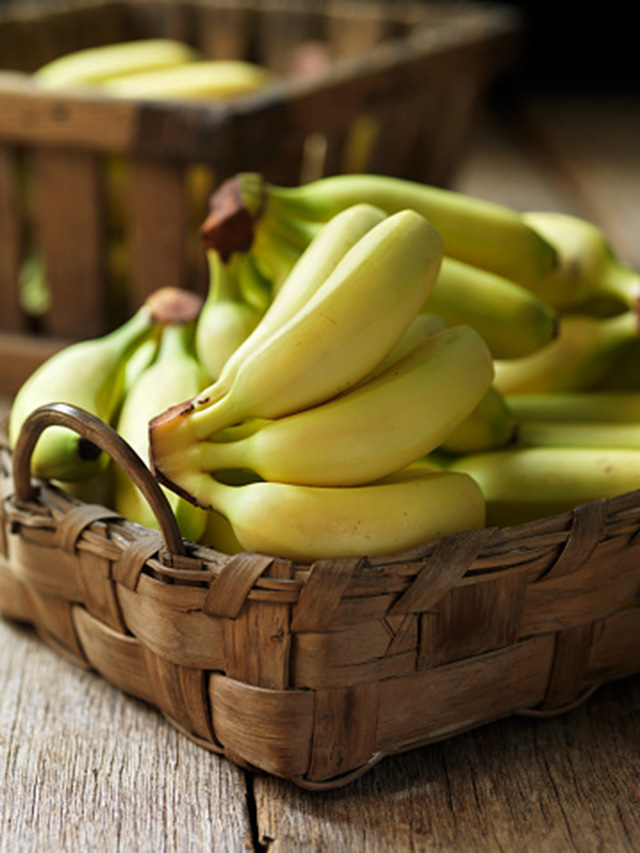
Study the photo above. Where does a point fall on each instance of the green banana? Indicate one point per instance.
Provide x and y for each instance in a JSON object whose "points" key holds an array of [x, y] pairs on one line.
{"points": [[225, 320], [197, 80], [95, 65], [89, 374], [352, 321], [526, 483], [174, 375], [492, 424], [473, 230], [597, 406], [578, 359], [418, 401], [513, 321], [306, 523], [605, 435], [589, 271]]}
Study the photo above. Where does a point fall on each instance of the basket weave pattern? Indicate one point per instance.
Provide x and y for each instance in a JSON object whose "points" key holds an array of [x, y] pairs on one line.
{"points": [[313, 673]]}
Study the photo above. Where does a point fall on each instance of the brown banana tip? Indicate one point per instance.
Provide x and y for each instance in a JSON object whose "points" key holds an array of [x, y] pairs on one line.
{"points": [[230, 225], [176, 411], [174, 305]]}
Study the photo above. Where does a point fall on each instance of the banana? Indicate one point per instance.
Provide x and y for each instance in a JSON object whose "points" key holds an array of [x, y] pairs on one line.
{"points": [[492, 424], [589, 271], [513, 321], [89, 374], [352, 321], [218, 533], [578, 359], [309, 273], [364, 434], [93, 66], [306, 523], [523, 484], [254, 288], [225, 320], [593, 434], [174, 375], [598, 406], [197, 80], [473, 230]]}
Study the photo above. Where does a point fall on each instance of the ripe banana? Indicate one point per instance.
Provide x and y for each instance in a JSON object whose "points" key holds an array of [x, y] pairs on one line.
{"points": [[225, 320], [351, 322], [522, 484], [364, 434], [89, 374], [306, 523], [93, 66], [578, 359], [174, 375], [512, 320], [308, 275], [473, 230], [198, 80], [492, 424], [589, 271]]}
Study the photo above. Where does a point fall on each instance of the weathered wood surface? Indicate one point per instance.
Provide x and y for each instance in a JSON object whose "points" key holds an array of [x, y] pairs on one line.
{"points": [[82, 767]]}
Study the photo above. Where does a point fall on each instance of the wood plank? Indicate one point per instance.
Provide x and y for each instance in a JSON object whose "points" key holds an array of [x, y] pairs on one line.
{"points": [[83, 766], [20, 354], [11, 313]]}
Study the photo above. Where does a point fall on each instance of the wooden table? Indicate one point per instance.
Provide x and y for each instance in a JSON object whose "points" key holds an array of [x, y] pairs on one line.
{"points": [[84, 768]]}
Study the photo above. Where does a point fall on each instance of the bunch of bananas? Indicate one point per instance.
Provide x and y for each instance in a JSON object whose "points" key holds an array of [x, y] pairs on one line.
{"points": [[144, 69], [376, 363]]}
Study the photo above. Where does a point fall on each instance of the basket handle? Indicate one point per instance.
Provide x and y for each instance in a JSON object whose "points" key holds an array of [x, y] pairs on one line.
{"points": [[106, 439]]}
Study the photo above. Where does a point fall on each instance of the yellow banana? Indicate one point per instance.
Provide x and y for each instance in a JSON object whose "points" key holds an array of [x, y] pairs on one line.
{"points": [[522, 484], [589, 271], [174, 375], [225, 320], [309, 274], [578, 359], [218, 533], [93, 66], [490, 425], [352, 321], [512, 320], [305, 523], [364, 434], [198, 80], [473, 230]]}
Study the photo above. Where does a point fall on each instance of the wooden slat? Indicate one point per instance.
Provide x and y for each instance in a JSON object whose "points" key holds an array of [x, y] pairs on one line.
{"points": [[11, 213], [20, 354], [69, 232], [157, 228]]}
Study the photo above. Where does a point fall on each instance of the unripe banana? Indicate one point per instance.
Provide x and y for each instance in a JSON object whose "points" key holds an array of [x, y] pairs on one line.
{"points": [[473, 230], [93, 66], [578, 359], [89, 374], [512, 320], [306, 523], [522, 484], [174, 375], [199, 80], [225, 320], [592, 434], [589, 271], [352, 321], [578, 406], [490, 425], [364, 434]]}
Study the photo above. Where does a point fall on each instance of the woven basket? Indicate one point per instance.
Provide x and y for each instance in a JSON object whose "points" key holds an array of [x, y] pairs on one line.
{"points": [[315, 672]]}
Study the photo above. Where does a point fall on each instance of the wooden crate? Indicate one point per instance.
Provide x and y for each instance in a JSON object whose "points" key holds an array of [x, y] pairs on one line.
{"points": [[107, 194]]}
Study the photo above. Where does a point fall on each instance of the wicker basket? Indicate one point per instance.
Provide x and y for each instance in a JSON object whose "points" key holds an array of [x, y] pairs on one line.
{"points": [[314, 673], [415, 71]]}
